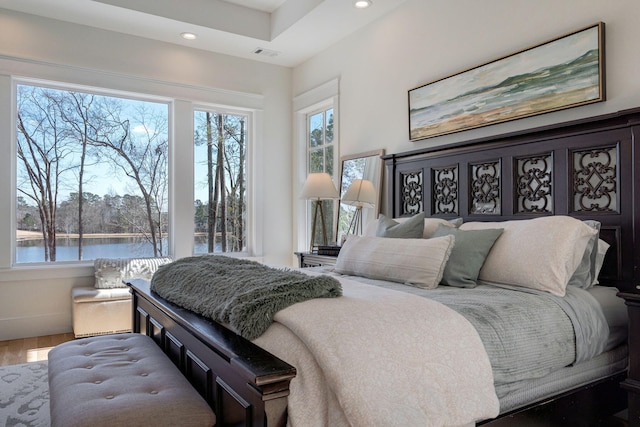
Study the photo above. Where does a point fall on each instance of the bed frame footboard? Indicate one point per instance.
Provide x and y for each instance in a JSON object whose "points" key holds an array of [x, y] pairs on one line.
{"points": [[244, 384]]}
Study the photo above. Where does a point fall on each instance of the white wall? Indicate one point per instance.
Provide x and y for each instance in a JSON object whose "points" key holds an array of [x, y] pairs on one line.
{"points": [[36, 301], [423, 41]]}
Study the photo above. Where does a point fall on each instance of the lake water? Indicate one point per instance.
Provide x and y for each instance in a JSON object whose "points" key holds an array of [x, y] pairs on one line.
{"points": [[28, 251]]}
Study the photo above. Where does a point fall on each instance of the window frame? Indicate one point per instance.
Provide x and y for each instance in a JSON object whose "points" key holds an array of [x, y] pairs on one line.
{"points": [[321, 110], [324, 96], [249, 173], [180, 168], [133, 96]]}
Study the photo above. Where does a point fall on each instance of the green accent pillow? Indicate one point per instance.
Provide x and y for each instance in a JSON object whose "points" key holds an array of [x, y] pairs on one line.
{"points": [[469, 251], [409, 229]]}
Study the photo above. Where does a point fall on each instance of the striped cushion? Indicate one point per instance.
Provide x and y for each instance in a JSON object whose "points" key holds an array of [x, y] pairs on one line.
{"points": [[110, 272]]}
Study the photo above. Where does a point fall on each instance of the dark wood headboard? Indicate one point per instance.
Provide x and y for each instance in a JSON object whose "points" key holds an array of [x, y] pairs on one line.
{"points": [[585, 169]]}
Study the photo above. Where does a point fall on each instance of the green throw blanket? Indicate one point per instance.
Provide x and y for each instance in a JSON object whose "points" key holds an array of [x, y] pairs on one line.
{"points": [[244, 294]]}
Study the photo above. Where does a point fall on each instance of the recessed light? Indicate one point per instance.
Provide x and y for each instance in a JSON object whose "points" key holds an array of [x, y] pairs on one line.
{"points": [[188, 36], [362, 4]]}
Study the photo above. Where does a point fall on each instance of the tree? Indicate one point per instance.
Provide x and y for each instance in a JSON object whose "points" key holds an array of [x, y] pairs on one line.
{"points": [[200, 216], [76, 109], [63, 133], [221, 187], [234, 166], [224, 136], [43, 144], [140, 155], [26, 215], [212, 184]]}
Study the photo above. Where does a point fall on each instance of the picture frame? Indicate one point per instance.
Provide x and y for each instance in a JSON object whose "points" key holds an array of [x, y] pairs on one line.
{"points": [[369, 166], [565, 72]]}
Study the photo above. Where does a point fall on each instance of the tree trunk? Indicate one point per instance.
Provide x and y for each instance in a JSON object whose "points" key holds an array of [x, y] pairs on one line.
{"points": [[212, 206], [221, 184], [240, 233], [81, 195]]}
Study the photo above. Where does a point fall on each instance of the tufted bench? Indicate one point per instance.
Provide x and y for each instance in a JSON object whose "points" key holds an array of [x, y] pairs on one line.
{"points": [[120, 380]]}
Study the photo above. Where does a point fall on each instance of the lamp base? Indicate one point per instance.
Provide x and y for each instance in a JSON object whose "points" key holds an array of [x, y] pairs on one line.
{"points": [[355, 226], [318, 209]]}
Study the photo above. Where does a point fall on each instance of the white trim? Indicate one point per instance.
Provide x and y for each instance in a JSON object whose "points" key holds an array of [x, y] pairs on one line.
{"points": [[42, 271], [325, 95], [318, 94], [254, 186], [75, 75], [181, 188], [7, 168], [180, 97], [255, 217]]}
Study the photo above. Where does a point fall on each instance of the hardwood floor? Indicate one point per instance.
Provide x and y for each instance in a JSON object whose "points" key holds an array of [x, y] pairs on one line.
{"points": [[34, 349]]}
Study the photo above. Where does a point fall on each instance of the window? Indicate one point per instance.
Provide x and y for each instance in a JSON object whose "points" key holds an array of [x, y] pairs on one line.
{"points": [[320, 140], [91, 176], [220, 146], [321, 158]]}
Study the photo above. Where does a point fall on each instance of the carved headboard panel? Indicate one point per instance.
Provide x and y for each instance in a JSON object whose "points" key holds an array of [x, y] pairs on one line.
{"points": [[585, 169]]}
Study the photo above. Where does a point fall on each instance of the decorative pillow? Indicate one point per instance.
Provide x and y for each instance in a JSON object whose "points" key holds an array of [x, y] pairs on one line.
{"points": [[455, 222], [430, 225], [585, 273], [541, 253], [412, 228], [602, 251], [110, 272], [468, 254], [417, 262]]}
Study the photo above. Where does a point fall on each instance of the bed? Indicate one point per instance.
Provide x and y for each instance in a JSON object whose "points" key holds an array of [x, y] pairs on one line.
{"points": [[581, 171]]}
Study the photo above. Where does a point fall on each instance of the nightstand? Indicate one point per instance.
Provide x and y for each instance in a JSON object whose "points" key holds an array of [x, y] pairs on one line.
{"points": [[310, 259], [632, 383]]}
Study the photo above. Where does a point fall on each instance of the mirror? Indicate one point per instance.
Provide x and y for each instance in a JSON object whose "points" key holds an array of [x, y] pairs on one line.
{"points": [[364, 166]]}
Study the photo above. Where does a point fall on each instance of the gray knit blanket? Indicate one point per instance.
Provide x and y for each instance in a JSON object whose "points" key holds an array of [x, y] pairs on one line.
{"points": [[241, 293]]}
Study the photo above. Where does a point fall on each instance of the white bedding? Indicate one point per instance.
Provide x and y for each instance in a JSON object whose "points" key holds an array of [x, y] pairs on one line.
{"points": [[613, 308], [361, 363]]}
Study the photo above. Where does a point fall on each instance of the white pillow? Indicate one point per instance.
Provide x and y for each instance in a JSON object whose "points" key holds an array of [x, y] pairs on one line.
{"points": [[586, 272], [602, 251], [430, 225], [417, 262], [540, 253]]}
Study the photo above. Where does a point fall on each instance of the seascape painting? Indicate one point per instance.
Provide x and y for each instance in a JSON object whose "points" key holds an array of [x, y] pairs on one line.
{"points": [[558, 74]]}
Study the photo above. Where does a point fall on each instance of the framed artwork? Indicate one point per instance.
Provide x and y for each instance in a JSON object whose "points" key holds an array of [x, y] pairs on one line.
{"points": [[565, 72]]}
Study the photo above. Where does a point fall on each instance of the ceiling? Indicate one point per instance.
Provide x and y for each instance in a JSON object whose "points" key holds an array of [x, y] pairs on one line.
{"points": [[287, 32]]}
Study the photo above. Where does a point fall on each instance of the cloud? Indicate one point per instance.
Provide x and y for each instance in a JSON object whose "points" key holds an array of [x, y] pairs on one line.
{"points": [[142, 129]]}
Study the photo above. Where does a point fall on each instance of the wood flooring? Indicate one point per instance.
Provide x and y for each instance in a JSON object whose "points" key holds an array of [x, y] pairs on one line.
{"points": [[23, 350]]}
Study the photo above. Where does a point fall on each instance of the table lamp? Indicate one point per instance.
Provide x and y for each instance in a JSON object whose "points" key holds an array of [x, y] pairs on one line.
{"points": [[319, 186], [360, 194]]}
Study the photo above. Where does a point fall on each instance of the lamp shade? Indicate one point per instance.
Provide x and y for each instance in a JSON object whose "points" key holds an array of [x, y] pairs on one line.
{"points": [[360, 193], [319, 186]]}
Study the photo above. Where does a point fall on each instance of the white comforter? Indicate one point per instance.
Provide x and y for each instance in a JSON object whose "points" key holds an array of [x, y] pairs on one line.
{"points": [[378, 357]]}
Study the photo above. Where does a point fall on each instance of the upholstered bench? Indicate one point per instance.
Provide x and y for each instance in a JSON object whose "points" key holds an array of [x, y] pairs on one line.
{"points": [[120, 380], [105, 308]]}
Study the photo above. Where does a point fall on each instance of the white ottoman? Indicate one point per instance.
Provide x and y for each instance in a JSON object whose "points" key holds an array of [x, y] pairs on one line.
{"points": [[105, 308], [101, 311], [121, 380]]}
